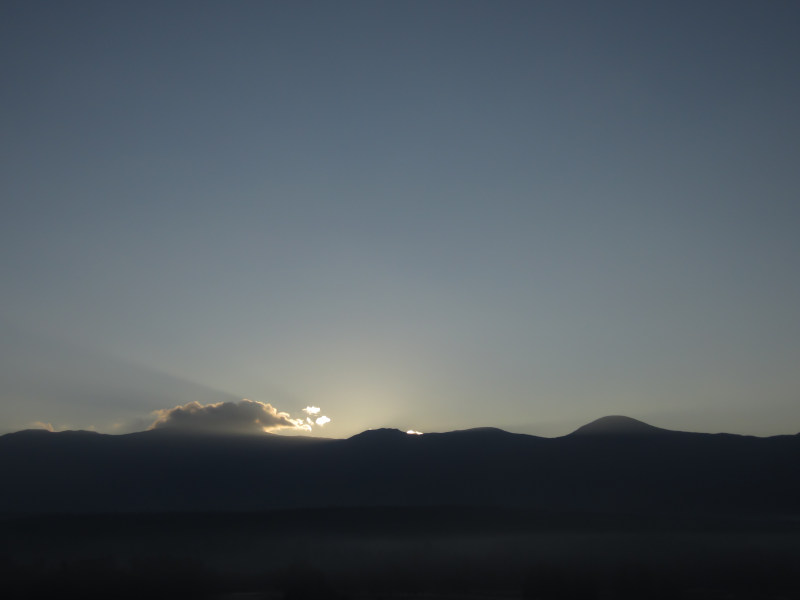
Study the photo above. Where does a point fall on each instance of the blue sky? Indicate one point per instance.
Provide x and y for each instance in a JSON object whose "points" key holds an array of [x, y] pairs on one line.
{"points": [[427, 215]]}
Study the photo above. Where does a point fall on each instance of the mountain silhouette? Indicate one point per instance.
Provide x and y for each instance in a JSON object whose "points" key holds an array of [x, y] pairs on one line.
{"points": [[618, 425], [614, 464], [616, 509]]}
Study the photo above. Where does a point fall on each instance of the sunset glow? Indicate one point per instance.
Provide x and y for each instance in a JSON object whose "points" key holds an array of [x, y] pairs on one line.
{"points": [[460, 214]]}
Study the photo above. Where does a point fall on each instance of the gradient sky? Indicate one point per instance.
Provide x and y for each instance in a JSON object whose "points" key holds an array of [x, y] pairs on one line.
{"points": [[427, 215]]}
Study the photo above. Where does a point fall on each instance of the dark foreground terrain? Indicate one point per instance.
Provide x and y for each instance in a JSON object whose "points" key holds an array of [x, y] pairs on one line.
{"points": [[613, 465], [440, 552], [618, 509]]}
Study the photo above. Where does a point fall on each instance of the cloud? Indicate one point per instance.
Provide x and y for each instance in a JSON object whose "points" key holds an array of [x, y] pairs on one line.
{"points": [[40, 425], [312, 410], [245, 416], [322, 420]]}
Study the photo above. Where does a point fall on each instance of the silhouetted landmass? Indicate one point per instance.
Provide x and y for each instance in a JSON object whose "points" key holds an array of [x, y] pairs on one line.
{"points": [[614, 465], [619, 426], [617, 509]]}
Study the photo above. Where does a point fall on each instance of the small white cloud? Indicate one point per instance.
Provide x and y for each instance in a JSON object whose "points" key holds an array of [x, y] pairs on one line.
{"points": [[322, 420], [312, 410]]}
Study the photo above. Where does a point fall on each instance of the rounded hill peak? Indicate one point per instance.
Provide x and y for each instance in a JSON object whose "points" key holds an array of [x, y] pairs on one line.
{"points": [[383, 433], [618, 425]]}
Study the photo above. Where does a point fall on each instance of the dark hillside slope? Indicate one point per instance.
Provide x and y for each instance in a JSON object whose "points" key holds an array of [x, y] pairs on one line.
{"points": [[639, 469]]}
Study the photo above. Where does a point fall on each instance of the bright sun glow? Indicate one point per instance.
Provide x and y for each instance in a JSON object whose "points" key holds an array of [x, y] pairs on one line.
{"points": [[412, 432]]}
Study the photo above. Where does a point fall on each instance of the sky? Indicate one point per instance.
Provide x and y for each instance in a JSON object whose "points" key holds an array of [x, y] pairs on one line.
{"points": [[423, 215]]}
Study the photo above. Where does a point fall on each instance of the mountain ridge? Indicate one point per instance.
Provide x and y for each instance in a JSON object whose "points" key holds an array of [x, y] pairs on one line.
{"points": [[606, 425], [611, 465], [619, 425]]}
